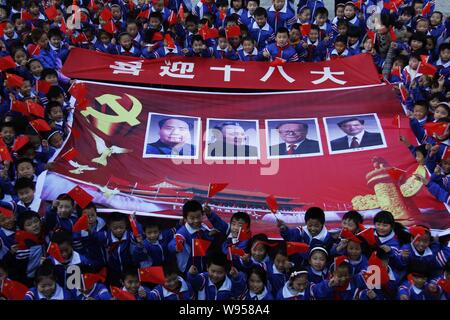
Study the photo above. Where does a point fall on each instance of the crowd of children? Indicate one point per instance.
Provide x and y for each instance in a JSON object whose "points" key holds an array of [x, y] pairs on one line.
{"points": [[409, 43]]}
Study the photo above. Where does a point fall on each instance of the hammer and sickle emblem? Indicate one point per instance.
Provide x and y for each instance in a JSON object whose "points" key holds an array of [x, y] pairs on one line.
{"points": [[107, 122]]}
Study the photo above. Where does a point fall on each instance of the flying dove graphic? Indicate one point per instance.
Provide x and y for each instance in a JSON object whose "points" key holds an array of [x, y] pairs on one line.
{"points": [[79, 168], [109, 192], [105, 151]]}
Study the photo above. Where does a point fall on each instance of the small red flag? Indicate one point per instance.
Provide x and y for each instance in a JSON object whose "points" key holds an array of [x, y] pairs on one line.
{"points": [[172, 20], [169, 41], [2, 28], [417, 232], [40, 125], [305, 29], [63, 27], [395, 173], [403, 92], [4, 152], [144, 14], [236, 251], [427, 69], [222, 14], [19, 106], [92, 6], [70, 154], [25, 15], [133, 224], [392, 34], [215, 188], [179, 242], [445, 285], [200, 247], [348, 235], [152, 275], [426, 9], [80, 196], [6, 63], [12, 290], [244, 233], [369, 236], [110, 27], [277, 62], [372, 36], [54, 251], [5, 212], [106, 15], [81, 224], [23, 238], [20, 142], [437, 128], [14, 81], [121, 294], [375, 261], [296, 247], [233, 31], [35, 109], [51, 12], [43, 86], [78, 90], [90, 279], [181, 12], [272, 203]]}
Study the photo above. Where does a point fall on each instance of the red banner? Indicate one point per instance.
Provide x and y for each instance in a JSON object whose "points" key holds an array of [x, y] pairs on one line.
{"points": [[357, 70], [147, 150]]}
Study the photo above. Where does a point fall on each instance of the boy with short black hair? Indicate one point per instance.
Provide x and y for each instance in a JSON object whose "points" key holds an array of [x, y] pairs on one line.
{"points": [[260, 30], [280, 50]]}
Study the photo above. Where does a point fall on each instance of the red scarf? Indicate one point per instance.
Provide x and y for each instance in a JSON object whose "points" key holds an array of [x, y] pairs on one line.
{"points": [[339, 290], [281, 49]]}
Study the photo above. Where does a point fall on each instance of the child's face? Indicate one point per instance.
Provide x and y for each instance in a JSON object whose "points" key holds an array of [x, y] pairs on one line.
{"points": [[26, 88], [152, 233], [422, 243], [429, 44], [445, 164], [55, 41], [353, 250], [416, 45], [34, 10], [36, 68], [340, 11], [223, 43], [171, 282], [404, 17], [420, 112], [300, 283], [435, 19], [7, 223], [191, 27], [105, 39], [32, 226], [91, 214], [19, 24], [9, 30], [20, 57], [26, 195], [59, 99], [43, 41], [25, 170], [197, 46], [352, 40], [64, 208], [413, 62], [194, 219], [216, 273], [342, 29], [132, 284], [321, 19], [314, 226], [132, 29], [236, 225], [294, 35], [349, 12], [260, 21], [255, 283], [248, 46], [305, 15], [116, 12], [46, 287], [258, 252], [342, 275], [8, 134], [422, 26], [313, 35], [56, 114], [66, 251], [234, 41], [251, 6], [118, 228], [154, 23], [281, 39], [419, 280], [280, 262], [440, 112], [445, 55], [349, 224], [236, 4], [418, 8], [126, 42], [318, 260], [383, 229], [56, 140], [420, 157], [278, 4]]}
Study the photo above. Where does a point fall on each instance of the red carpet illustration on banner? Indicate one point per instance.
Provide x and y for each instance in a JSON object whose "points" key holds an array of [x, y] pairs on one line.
{"points": [[124, 161]]}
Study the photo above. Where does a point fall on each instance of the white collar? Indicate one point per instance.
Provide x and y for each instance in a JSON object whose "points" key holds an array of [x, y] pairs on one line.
{"points": [[226, 285], [321, 236], [58, 295], [353, 21], [359, 137], [166, 50], [218, 48], [190, 229], [124, 237], [355, 262], [265, 28], [8, 232], [440, 63], [15, 36], [275, 270], [73, 261], [259, 296], [391, 274], [34, 205], [412, 72], [308, 41], [288, 292], [53, 47], [386, 238], [427, 251], [317, 272], [415, 289], [132, 50], [284, 9], [237, 12], [254, 52], [184, 288], [343, 54]]}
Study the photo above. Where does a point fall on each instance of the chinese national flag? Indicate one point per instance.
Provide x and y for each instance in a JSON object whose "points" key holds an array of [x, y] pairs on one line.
{"points": [[19, 106], [369, 236], [244, 233], [169, 41], [233, 31], [437, 128], [81, 224], [172, 20], [181, 12], [54, 251], [6, 63], [5, 212], [4, 152], [179, 242], [215, 188], [20, 142], [12, 290], [222, 14], [76, 134], [152, 275], [92, 6], [375, 261], [305, 29], [358, 3], [71, 154], [35, 109], [200, 247], [426, 9], [296, 247], [90, 279], [51, 12], [396, 173], [81, 197], [445, 285], [403, 92], [144, 14], [392, 34], [40, 125], [63, 27], [396, 72], [43, 86], [25, 15], [110, 27], [272, 203], [121, 294], [372, 36], [25, 239], [446, 153], [134, 225], [236, 251], [427, 69], [78, 90], [106, 15], [14, 81]]}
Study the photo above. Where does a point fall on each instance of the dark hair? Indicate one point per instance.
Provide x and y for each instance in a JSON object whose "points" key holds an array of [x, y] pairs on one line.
{"points": [[341, 123], [191, 206], [170, 267], [418, 36], [315, 213], [25, 216], [151, 225], [54, 92], [117, 216], [241, 216], [354, 32], [321, 11], [131, 271], [444, 46], [55, 32], [9, 124], [354, 216], [197, 37], [163, 121], [341, 39], [156, 15], [408, 11], [282, 30], [400, 231], [258, 237], [191, 18], [280, 249], [384, 217], [51, 105], [305, 125], [46, 270], [62, 236], [65, 197], [48, 72], [257, 2], [23, 160], [260, 272], [24, 183], [422, 149], [90, 205], [260, 11], [219, 259], [419, 267]]}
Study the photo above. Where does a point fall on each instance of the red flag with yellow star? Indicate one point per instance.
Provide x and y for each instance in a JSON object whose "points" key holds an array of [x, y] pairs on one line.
{"points": [[200, 247]]}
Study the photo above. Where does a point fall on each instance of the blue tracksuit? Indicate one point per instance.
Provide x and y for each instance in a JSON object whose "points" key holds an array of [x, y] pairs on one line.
{"points": [[276, 279], [206, 290], [262, 35], [161, 293], [98, 292], [263, 296], [414, 293], [59, 294], [287, 293], [61, 268], [287, 52], [315, 276], [153, 253], [322, 291], [388, 291], [53, 221], [87, 246], [300, 234], [283, 18]]}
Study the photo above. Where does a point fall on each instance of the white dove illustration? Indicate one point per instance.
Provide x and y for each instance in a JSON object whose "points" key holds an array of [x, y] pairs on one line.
{"points": [[105, 151], [109, 192], [79, 168]]}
